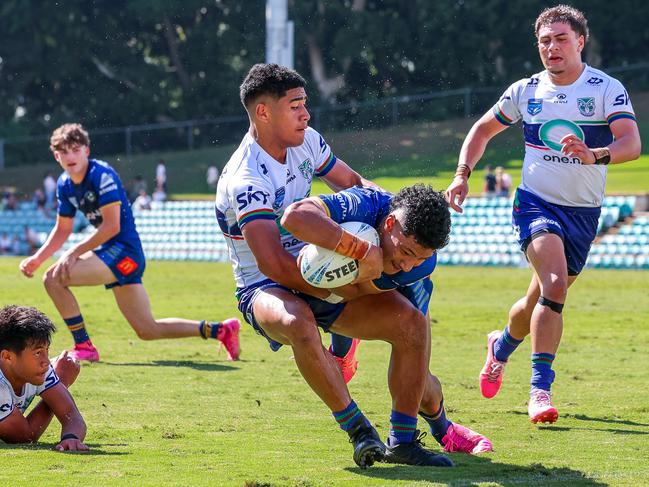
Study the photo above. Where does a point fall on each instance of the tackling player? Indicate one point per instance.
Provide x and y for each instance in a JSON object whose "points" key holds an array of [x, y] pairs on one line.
{"points": [[557, 205], [111, 256], [273, 167], [412, 225], [26, 372]]}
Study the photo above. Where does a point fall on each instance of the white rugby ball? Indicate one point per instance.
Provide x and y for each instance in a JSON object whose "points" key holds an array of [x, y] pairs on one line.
{"points": [[327, 269]]}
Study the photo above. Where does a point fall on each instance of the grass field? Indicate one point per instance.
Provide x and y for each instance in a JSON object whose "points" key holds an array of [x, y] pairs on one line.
{"points": [[177, 413]]}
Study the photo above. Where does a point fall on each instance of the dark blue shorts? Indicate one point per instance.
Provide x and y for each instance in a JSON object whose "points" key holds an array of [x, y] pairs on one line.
{"points": [[325, 313], [577, 226], [126, 262]]}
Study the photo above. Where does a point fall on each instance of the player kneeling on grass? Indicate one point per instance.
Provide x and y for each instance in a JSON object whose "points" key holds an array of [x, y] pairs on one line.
{"points": [[25, 372], [412, 225], [111, 256]]}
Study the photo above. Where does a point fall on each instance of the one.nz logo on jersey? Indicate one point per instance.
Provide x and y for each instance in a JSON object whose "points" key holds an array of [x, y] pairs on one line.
{"points": [[586, 106]]}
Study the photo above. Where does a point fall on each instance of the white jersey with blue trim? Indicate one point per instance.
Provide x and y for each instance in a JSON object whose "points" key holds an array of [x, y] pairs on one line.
{"points": [[10, 400], [549, 112], [254, 186]]}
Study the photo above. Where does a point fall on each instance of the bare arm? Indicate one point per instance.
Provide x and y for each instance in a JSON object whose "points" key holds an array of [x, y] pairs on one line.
{"points": [[308, 221], [57, 237], [342, 177], [60, 401], [472, 150], [263, 238], [625, 147]]}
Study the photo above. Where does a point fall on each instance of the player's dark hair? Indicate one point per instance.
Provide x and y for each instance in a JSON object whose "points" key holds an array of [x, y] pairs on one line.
{"points": [[426, 216], [268, 79], [566, 14], [68, 135], [21, 326]]}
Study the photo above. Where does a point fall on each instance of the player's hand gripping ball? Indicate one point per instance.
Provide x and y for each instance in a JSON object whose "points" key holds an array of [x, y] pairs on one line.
{"points": [[327, 269]]}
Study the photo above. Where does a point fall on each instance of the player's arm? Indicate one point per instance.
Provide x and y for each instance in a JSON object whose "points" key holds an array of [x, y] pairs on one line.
{"points": [[57, 237], [309, 221], [341, 176], [472, 151], [73, 427], [263, 238], [625, 147], [109, 227]]}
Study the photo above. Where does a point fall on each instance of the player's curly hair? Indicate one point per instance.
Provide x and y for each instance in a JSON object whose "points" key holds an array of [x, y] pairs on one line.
{"points": [[67, 135], [426, 215], [21, 326], [566, 14], [268, 79]]}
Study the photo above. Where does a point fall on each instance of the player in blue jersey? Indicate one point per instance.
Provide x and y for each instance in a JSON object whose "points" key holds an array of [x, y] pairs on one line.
{"points": [[26, 372], [412, 225], [111, 256], [576, 121]]}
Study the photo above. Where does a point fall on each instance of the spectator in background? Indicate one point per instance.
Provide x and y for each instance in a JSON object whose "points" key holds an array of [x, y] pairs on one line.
{"points": [[161, 176], [143, 201], [138, 185], [49, 187], [5, 243], [32, 239], [212, 177], [503, 182], [159, 195], [489, 181], [11, 203], [15, 246], [39, 202]]}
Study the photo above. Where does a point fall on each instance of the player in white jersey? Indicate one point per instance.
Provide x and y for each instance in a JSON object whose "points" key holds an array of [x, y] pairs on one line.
{"points": [[576, 120], [272, 168], [26, 372]]}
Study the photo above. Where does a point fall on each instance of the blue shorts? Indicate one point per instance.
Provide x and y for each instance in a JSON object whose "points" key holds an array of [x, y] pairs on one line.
{"points": [[577, 226], [325, 313], [126, 262]]}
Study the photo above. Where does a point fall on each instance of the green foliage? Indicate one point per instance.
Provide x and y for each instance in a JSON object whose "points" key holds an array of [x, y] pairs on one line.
{"points": [[174, 412]]}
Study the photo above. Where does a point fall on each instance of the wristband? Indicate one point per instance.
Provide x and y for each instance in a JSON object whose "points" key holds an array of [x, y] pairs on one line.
{"points": [[69, 436], [602, 156], [463, 171], [351, 246]]}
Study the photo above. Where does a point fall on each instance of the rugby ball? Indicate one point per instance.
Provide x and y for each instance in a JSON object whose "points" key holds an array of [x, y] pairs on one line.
{"points": [[327, 269]]}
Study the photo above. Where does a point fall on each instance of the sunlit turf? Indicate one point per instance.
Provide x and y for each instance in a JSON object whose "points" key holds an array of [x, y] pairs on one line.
{"points": [[177, 413]]}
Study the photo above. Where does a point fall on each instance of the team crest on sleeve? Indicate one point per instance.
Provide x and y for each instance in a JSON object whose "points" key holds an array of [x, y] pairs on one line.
{"points": [[306, 169], [586, 106], [534, 106]]}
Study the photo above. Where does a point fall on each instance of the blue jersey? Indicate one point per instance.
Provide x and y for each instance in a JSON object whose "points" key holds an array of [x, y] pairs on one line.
{"points": [[100, 187], [371, 206]]}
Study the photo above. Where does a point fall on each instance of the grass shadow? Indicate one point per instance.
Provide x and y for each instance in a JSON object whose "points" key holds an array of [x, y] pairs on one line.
{"points": [[209, 366], [95, 448], [472, 470]]}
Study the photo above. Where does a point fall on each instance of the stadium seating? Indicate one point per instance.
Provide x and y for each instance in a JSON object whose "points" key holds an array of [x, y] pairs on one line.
{"points": [[482, 235]]}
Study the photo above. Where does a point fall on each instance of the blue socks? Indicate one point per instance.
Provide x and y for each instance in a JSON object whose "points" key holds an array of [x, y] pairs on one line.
{"points": [[348, 417], [78, 329], [209, 330], [340, 345], [438, 423], [402, 428], [505, 345], [542, 373]]}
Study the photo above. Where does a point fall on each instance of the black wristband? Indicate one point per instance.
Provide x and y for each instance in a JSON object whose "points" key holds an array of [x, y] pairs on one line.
{"points": [[69, 436]]}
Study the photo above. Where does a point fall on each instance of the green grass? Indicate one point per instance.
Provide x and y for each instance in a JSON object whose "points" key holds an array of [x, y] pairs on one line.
{"points": [[177, 413]]}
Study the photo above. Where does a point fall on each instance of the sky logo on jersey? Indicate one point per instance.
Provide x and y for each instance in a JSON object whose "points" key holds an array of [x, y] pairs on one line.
{"points": [[586, 106], [244, 199], [534, 106]]}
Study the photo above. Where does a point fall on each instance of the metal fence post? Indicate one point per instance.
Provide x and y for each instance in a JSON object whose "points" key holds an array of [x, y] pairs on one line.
{"points": [[467, 103], [190, 136], [2, 154], [127, 134]]}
